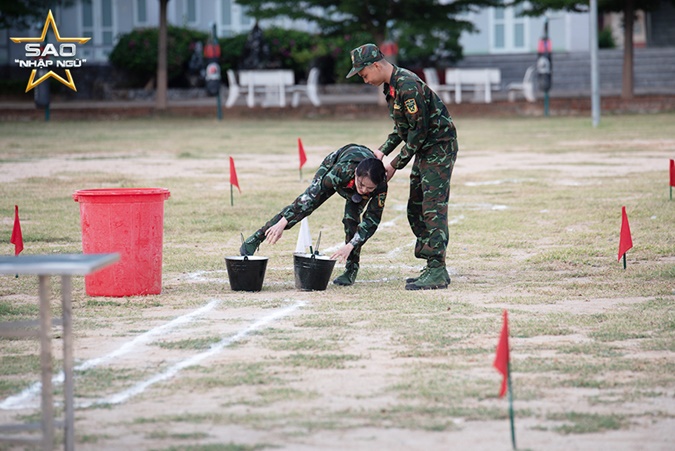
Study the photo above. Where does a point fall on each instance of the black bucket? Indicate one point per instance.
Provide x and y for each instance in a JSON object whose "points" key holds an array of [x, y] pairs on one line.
{"points": [[312, 272], [246, 273]]}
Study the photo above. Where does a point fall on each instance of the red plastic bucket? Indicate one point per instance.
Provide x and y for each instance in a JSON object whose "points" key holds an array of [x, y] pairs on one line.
{"points": [[129, 221]]}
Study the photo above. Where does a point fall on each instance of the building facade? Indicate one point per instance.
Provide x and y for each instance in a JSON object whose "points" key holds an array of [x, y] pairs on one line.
{"points": [[500, 30]]}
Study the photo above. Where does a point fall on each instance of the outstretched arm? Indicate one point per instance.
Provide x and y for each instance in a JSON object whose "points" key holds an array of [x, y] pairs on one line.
{"points": [[273, 234]]}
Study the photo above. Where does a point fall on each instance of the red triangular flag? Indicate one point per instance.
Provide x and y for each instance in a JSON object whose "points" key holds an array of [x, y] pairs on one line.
{"points": [[625, 242], [501, 362], [233, 175], [672, 172], [17, 237], [301, 153]]}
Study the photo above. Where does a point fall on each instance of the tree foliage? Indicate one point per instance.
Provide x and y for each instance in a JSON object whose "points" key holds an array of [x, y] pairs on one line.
{"points": [[426, 30]]}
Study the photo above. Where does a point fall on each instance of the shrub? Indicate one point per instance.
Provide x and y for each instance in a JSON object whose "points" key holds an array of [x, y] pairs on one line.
{"points": [[231, 51], [605, 39], [298, 51], [136, 53]]}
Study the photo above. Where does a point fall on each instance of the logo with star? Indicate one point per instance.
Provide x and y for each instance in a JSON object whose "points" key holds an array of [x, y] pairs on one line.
{"points": [[51, 22]]}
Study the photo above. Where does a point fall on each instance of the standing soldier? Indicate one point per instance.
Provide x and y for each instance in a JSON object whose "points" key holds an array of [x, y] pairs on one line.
{"points": [[355, 174], [422, 121]]}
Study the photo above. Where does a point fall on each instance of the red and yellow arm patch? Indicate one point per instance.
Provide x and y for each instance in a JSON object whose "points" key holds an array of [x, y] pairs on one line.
{"points": [[411, 106]]}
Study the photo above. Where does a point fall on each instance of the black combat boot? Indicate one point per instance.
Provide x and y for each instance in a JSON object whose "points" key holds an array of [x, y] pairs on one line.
{"points": [[349, 276]]}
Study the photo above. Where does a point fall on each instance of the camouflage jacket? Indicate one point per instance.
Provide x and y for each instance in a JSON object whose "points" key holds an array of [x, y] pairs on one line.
{"points": [[420, 117], [336, 175]]}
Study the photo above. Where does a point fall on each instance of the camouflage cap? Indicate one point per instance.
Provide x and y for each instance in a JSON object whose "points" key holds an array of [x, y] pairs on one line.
{"points": [[364, 56]]}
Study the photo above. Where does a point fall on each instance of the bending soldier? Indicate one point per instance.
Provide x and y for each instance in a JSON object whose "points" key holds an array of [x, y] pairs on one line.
{"points": [[356, 175]]}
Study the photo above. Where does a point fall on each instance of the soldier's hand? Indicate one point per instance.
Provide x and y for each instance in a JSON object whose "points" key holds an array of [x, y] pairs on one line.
{"points": [[378, 154], [273, 234], [342, 253]]}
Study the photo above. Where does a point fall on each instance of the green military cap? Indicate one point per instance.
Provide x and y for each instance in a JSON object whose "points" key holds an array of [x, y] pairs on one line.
{"points": [[364, 56]]}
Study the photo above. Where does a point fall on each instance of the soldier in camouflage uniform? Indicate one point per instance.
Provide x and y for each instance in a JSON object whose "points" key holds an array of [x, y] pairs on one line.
{"points": [[422, 122], [355, 174]]}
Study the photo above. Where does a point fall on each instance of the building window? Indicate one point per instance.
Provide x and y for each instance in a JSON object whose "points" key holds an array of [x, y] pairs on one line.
{"points": [[141, 12], [98, 23], [107, 22], [246, 20], [191, 11], [234, 18], [499, 41], [87, 16], [509, 29], [226, 13]]}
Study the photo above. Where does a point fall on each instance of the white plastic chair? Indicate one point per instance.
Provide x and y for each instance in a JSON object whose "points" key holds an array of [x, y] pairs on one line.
{"points": [[310, 89], [526, 87], [431, 77], [234, 89]]}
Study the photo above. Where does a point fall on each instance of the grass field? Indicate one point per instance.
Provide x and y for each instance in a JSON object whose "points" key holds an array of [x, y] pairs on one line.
{"points": [[534, 220]]}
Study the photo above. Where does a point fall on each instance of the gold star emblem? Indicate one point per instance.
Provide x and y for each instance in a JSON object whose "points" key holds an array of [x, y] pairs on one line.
{"points": [[31, 81]]}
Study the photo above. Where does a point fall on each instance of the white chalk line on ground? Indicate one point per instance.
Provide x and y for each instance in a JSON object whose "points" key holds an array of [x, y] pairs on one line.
{"points": [[123, 396], [23, 399], [480, 206], [199, 275], [497, 182]]}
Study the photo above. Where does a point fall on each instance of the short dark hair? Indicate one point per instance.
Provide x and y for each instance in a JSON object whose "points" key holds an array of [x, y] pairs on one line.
{"points": [[372, 168]]}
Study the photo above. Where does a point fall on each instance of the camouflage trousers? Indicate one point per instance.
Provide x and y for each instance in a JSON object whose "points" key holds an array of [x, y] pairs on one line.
{"points": [[428, 201]]}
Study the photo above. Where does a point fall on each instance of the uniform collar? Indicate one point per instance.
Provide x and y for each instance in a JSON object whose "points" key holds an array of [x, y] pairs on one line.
{"points": [[389, 89]]}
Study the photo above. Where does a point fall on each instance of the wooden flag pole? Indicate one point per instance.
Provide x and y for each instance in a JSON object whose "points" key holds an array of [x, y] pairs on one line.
{"points": [[231, 195], [513, 428]]}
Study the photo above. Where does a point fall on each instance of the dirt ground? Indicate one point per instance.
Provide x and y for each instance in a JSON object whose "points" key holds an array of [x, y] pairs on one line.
{"points": [[349, 390]]}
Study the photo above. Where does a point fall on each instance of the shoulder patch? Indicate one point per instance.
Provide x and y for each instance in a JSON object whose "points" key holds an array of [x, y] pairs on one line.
{"points": [[380, 199], [411, 105]]}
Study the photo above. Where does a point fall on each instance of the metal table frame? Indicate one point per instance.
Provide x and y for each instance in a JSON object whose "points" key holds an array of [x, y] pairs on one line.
{"points": [[44, 266]]}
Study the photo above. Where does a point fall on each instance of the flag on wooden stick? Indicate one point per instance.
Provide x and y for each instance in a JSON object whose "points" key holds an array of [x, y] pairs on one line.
{"points": [[16, 238], [233, 180], [503, 364], [301, 155], [233, 175], [625, 240], [672, 177]]}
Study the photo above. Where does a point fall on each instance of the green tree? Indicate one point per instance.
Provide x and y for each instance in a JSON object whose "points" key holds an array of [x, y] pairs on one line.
{"points": [[627, 7], [421, 27]]}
